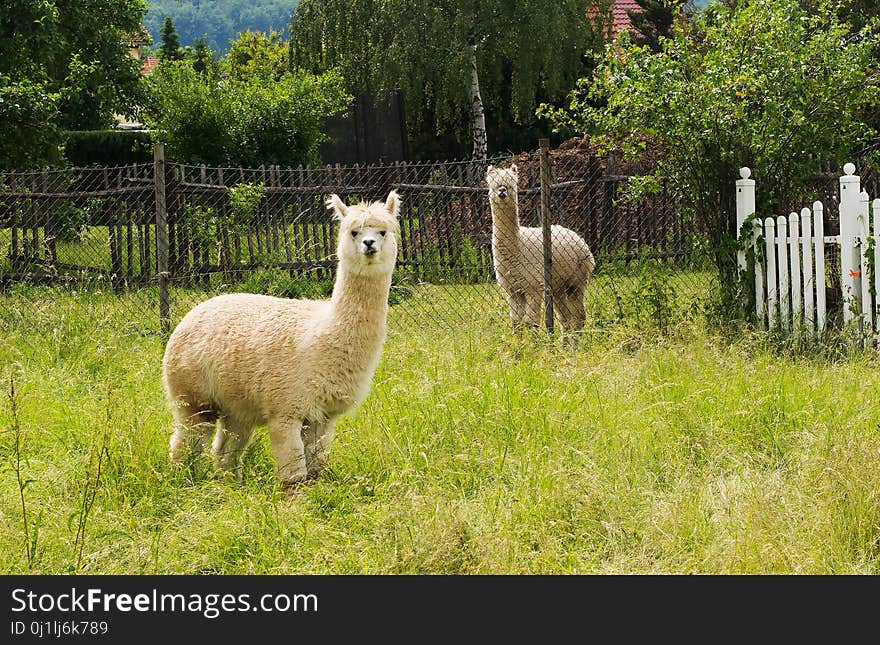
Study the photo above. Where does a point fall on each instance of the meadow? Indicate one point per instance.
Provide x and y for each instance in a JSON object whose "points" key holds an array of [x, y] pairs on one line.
{"points": [[656, 447]]}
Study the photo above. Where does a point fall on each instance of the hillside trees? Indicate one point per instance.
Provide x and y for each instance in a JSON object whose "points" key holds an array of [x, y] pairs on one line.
{"points": [[765, 85], [219, 23], [63, 65], [456, 60]]}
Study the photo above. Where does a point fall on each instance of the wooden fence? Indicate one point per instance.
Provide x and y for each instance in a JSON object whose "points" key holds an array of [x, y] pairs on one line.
{"points": [[166, 223]]}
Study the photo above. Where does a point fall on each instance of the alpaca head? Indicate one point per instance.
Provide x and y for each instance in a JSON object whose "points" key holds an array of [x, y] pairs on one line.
{"points": [[502, 183], [368, 234]]}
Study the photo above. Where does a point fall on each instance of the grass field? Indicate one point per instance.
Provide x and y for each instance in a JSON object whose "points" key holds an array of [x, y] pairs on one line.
{"points": [[475, 452]]}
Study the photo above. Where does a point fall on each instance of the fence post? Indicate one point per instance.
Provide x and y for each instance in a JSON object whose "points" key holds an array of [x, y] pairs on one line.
{"points": [[784, 293], [772, 283], [161, 236], [864, 268], [546, 232], [745, 206], [849, 230], [807, 268], [819, 236], [876, 236]]}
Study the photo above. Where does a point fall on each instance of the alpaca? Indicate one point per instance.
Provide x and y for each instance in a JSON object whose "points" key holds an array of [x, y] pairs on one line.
{"points": [[518, 258], [239, 361]]}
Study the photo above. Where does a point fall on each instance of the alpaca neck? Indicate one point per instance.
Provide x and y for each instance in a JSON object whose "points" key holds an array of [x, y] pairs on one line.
{"points": [[360, 304], [505, 224]]}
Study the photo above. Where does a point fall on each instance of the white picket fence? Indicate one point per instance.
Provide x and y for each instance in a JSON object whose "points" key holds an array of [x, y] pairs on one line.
{"points": [[791, 260]]}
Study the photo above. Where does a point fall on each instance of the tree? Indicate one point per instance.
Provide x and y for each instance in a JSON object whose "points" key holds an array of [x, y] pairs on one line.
{"points": [[764, 85], [170, 47], [230, 121], [202, 57], [64, 65], [257, 53], [456, 60], [653, 20]]}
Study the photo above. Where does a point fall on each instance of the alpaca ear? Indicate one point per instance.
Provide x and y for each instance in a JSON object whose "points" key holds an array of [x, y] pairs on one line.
{"points": [[490, 169], [334, 203], [392, 204], [514, 168]]}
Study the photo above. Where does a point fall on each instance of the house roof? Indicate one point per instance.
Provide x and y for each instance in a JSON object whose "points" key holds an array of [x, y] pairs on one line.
{"points": [[619, 16], [619, 12], [148, 65], [143, 37]]}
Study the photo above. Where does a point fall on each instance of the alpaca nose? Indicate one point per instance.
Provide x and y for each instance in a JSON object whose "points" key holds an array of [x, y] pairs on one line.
{"points": [[369, 246], [502, 193]]}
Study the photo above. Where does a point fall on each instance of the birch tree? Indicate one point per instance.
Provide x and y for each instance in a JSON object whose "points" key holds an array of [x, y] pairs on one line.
{"points": [[456, 60]]}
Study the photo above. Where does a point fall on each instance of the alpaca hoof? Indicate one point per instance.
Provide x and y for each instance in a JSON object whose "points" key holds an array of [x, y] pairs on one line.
{"points": [[289, 479], [228, 475], [293, 488]]}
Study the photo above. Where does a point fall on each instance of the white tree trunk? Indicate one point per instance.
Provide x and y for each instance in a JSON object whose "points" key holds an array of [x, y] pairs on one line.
{"points": [[478, 117]]}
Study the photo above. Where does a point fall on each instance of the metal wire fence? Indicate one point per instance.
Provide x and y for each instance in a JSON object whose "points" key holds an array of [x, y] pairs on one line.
{"points": [[134, 247]]}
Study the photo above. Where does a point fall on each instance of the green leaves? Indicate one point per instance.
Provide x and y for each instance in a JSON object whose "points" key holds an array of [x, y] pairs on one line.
{"points": [[67, 66], [203, 118], [527, 51], [764, 84]]}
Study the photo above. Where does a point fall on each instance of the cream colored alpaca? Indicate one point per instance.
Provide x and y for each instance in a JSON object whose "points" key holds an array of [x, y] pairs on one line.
{"points": [[518, 258], [247, 360]]}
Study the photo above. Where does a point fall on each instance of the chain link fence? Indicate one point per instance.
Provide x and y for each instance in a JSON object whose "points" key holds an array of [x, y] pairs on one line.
{"points": [[134, 247]]}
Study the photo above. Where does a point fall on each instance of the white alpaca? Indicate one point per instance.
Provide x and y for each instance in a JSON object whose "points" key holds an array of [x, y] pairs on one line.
{"points": [[246, 360], [518, 258]]}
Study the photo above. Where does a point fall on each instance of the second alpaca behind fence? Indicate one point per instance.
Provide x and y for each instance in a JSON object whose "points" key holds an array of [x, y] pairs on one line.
{"points": [[518, 258], [245, 360]]}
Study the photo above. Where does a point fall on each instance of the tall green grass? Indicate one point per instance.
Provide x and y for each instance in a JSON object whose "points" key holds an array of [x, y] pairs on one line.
{"points": [[653, 448]]}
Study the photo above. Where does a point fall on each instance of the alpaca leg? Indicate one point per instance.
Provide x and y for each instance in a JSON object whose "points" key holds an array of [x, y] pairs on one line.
{"points": [[192, 430], [533, 311], [230, 442], [316, 439], [572, 316], [287, 446], [517, 304]]}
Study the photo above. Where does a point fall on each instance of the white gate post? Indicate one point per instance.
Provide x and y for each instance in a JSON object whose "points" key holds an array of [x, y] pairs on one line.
{"points": [[757, 232], [745, 206], [876, 236], [849, 231], [864, 269], [819, 235]]}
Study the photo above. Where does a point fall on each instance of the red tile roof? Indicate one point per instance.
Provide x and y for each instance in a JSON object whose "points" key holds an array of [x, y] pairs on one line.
{"points": [[619, 16], [619, 11], [148, 65], [143, 37]]}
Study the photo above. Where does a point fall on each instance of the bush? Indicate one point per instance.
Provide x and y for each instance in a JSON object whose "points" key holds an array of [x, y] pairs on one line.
{"points": [[224, 121], [107, 147]]}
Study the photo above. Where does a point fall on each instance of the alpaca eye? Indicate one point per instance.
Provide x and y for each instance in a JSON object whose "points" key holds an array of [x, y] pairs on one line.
{"points": [[354, 233], [382, 233]]}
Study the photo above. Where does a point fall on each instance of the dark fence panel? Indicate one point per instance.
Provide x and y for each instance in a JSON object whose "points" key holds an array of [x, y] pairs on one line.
{"points": [[372, 130]]}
